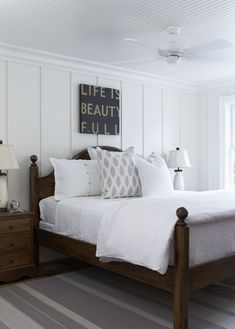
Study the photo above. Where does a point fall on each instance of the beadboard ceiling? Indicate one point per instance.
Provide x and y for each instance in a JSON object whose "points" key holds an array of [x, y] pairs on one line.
{"points": [[95, 30]]}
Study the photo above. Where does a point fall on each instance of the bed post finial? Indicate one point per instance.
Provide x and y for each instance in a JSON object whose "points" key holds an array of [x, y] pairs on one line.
{"points": [[34, 199], [182, 214], [33, 159], [181, 270]]}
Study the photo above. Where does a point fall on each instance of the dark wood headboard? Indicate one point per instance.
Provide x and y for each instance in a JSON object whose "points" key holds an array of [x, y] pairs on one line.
{"points": [[43, 187]]}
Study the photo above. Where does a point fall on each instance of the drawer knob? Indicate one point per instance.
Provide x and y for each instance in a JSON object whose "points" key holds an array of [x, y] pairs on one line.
{"points": [[12, 244], [11, 227], [11, 260]]}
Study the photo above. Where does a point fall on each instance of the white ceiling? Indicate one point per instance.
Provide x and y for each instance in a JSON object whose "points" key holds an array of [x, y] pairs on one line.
{"points": [[95, 30]]}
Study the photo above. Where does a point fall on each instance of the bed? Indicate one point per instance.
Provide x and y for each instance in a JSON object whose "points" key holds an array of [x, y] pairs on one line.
{"points": [[186, 272]]}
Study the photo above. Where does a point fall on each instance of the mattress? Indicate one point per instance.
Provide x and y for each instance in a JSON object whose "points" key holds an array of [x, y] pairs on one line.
{"points": [[85, 212], [208, 241]]}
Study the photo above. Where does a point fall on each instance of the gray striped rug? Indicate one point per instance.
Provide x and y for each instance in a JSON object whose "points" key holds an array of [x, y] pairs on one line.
{"points": [[95, 299]]}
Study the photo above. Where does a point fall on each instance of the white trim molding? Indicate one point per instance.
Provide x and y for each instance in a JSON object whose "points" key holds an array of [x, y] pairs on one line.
{"points": [[37, 57], [211, 85]]}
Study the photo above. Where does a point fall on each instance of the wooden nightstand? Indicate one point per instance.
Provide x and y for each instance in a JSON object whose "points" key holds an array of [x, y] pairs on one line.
{"points": [[17, 246]]}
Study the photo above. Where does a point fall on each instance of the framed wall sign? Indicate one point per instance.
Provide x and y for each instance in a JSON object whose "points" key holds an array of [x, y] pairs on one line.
{"points": [[99, 110]]}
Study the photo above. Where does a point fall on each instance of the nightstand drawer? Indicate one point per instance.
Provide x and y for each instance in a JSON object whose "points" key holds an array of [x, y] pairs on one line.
{"points": [[13, 242], [15, 259], [15, 225]]}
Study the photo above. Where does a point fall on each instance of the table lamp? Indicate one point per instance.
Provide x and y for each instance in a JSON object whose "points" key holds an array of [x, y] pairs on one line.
{"points": [[178, 159], [7, 161]]}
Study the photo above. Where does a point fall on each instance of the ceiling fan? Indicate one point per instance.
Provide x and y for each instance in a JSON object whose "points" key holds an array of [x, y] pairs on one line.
{"points": [[173, 53]]}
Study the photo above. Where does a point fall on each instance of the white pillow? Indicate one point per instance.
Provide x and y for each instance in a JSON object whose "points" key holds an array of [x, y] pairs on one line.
{"points": [[119, 175], [76, 178], [154, 176], [93, 151]]}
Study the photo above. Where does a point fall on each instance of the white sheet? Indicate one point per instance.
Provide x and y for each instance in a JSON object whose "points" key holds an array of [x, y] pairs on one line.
{"points": [[46, 226], [48, 210], [81, 218], [78, 217]]}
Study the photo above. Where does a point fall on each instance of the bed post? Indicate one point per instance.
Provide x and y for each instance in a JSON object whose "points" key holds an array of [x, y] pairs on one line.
{"points": [[181, 274], [34, 200]]}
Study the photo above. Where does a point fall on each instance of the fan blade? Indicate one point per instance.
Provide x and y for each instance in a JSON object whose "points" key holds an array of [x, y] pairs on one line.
{"points": [[142, 42], [163, 52], [133, 60], [209, 46]]}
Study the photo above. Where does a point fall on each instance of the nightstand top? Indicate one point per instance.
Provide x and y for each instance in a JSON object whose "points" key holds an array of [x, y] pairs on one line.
{"points": [[15, 214]]}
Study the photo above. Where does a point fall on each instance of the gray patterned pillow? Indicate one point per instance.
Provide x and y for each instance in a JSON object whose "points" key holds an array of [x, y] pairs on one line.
{"points": [[119, 175]]}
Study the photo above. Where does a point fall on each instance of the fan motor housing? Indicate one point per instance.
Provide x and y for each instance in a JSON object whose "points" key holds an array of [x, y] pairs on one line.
{"points": [[173, 59]]}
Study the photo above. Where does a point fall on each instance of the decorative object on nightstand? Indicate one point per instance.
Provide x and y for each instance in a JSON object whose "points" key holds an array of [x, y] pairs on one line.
{"points": [[178, 159], [15, 206], [17, 246], [7, 161]]}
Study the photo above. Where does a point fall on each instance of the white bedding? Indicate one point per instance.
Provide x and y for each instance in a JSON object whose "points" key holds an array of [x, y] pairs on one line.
{"points": [[78, 217], [140, 231], [48, 210]]}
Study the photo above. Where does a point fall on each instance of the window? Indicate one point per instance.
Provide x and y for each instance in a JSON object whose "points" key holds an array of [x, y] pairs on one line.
{"points": [[228, 142]]}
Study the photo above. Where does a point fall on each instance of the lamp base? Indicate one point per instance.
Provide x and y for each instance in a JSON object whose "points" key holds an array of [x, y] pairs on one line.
{"points": [[178, 180], [3, 192]]}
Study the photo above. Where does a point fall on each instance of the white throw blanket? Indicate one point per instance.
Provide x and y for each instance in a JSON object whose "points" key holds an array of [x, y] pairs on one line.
{"points": [[140, 231]]}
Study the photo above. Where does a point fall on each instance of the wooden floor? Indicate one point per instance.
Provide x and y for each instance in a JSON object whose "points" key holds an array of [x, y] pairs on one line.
{"points": [[66, 300], [55, 267]]}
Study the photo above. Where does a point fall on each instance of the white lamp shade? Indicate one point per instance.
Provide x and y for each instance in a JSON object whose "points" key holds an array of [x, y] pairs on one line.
{"points": [[178, 159], [8, 157]]}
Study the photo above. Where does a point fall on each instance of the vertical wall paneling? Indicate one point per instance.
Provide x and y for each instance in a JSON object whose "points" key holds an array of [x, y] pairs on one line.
{"points": [[106, 139], [3, 101], [188, 137], [202, 142], [214, 138], [171, 120], [80, 141], [152, 120], [23, 93], [209, 135], [55, 115], [132, 125]]}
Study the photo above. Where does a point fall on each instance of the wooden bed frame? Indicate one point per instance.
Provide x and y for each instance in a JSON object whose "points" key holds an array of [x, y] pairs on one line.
{"points": [[179, 279]]}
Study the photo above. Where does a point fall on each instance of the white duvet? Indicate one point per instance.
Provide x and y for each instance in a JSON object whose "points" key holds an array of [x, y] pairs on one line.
{"points": [[140, 231]]}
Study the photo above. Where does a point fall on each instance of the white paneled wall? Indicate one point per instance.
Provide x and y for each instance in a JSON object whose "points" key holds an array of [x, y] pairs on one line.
{"points": [[171, 120], [188, 134], [214, 140], [203, 142], [132, 116], [55, 116], [23, 122], [209, 134], [3, 101], [39, 108], [152, 123]]}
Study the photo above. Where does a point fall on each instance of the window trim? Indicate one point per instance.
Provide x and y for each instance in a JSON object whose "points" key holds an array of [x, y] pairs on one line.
{"points": [[225, 103]]}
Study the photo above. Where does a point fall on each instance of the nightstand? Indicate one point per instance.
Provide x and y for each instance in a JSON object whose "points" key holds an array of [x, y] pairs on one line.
{"points": [[17, 246]]}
